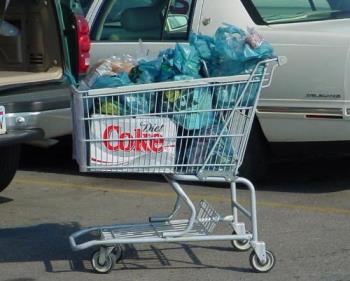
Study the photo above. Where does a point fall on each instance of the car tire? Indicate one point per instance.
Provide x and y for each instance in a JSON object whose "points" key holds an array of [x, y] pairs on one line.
{"points": [[256, 160], [9, 160]]}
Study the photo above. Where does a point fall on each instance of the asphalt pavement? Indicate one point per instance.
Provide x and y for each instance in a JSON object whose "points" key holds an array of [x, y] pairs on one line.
{"points": [[303, 216]]}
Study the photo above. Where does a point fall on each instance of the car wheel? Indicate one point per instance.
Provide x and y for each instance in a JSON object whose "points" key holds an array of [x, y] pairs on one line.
{"points": [[256, 160], [9, 159]]}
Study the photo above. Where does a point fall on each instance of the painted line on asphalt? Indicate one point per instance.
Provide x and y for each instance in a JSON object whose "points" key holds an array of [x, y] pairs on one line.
{"points": [[269, 204]]}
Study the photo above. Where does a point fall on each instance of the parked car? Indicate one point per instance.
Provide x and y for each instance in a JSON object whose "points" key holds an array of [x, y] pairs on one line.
{"points": [[309, 101], [44, 48]]}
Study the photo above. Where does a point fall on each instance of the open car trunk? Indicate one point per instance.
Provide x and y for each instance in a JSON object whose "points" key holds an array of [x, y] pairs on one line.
{"points": [[33, 52]]}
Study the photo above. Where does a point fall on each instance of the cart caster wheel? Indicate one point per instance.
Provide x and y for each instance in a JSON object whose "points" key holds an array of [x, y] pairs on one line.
{"points": [[108, 264], [258, 266], [240, 245]]}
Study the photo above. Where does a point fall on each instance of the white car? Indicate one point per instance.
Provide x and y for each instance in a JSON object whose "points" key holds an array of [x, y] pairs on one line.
{"points": [[309, 101]]}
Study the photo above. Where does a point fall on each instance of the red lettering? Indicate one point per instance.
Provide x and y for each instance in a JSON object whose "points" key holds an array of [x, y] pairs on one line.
{"points": [[107, 135], [138, 136], [129, 140], [146, 142], [157, 143]]}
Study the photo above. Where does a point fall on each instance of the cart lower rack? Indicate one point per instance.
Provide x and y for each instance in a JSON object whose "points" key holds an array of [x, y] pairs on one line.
{"points": [[193, 130]]}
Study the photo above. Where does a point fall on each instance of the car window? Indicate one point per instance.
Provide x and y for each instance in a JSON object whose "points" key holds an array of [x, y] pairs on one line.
{"points": [[284, 11], [149, 20]]}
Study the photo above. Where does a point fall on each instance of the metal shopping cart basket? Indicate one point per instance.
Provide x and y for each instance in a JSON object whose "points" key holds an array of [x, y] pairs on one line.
{"points": [[195, 130]]}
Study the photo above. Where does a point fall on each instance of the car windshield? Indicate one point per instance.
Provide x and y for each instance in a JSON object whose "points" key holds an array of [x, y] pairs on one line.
{"points": [[284, 11]]}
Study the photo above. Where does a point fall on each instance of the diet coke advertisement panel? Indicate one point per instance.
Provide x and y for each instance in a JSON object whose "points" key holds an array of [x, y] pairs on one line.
{"points": [[141, 144]]}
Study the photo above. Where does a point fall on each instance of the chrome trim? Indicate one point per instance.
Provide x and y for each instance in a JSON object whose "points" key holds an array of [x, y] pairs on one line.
{"points": [[301, 110]]}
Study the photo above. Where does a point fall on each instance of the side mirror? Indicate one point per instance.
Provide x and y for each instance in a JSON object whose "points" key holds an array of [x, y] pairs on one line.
{"points": [[177, 23]]}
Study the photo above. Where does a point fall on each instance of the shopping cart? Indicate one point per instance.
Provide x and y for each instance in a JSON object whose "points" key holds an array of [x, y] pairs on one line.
{"points": [[193, 130]]}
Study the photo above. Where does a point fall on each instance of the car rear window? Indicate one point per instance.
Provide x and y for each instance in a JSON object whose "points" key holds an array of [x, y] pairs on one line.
{"points": [[286, 11]]}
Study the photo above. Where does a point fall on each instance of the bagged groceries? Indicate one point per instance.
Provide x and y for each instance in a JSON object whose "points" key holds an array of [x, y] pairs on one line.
{"points": [[200, 149], [187, 60], [186, 104], [196, 114], [127, 105], [111, 72], [231, 51], [146, 72], [230, 96]]}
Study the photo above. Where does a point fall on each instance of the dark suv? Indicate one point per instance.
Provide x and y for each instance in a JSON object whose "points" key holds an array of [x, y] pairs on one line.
{"points": [[44, 48]]}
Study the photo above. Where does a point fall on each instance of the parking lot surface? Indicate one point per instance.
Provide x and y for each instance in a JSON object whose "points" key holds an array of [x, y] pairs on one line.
{"points": [[303, 216]]}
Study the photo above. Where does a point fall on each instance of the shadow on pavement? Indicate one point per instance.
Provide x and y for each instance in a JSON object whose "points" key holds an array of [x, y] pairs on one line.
{"points": [[4, 200], [44, 243], [316, 175], [21, 279], [312, 175], [158, 257], [48, 243]]}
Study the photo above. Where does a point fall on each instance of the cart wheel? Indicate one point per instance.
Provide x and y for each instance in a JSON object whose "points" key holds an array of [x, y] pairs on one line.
{"points": [[240, 245], [102, 268], [258, 266], [118, 252]]}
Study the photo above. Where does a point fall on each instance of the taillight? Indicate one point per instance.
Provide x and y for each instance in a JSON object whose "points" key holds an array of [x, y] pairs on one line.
{"points": [[84, 44]]}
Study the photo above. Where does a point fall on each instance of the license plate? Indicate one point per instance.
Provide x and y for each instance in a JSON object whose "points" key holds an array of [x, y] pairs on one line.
{"points": [[2, 120]]}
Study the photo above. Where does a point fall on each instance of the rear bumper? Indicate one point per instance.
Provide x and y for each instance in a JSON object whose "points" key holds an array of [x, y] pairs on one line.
{"points": [[44, 108], [53, 123], [17, 137]]}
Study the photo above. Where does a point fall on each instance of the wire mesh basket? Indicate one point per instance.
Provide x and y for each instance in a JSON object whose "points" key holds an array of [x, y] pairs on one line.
{"points": [[192, 127]]}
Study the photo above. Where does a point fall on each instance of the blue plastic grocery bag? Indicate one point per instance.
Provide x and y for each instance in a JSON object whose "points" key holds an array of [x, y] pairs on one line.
{"points": [[149, 71], [190, 102], [131, 104], [191, 108], [205, 46], [187, 60], [236, 95], [264, 51], [229, 43], [167, 69], [128, 104], [108, 81], [231, 53], [134, 104], [199, 149]]}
